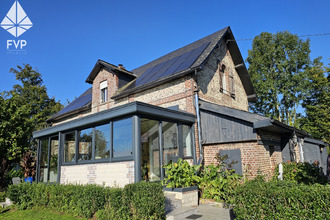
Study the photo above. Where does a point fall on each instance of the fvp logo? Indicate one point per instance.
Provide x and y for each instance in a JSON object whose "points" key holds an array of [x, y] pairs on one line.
{"points": [[16, 22]]}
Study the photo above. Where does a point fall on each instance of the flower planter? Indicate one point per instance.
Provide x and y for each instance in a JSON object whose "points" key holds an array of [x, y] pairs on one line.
{"points": [[187, 195]]}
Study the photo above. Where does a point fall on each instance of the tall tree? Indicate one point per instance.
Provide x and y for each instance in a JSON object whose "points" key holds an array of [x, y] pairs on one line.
{"points": [[23, 110], [317, 103], [277, 64]]}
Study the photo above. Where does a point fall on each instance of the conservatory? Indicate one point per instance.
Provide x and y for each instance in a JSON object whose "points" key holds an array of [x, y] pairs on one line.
{"points": [[121, 145]]}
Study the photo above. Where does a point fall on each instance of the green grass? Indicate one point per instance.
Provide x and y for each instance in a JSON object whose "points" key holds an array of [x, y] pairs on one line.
{"points": [[32, 214]]}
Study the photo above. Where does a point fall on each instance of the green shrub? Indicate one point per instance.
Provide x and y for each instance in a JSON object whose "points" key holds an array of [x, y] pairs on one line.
{"points": [[135, 201], [2, 196], [145, 200], [258, 199], [308, 173], [180, 174]]}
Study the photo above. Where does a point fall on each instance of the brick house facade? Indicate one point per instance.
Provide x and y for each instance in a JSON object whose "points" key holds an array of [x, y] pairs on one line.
{"points": [[208, 75]]}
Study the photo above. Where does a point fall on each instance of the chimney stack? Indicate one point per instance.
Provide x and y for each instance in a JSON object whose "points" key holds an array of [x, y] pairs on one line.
{"points": [[120, 66]]}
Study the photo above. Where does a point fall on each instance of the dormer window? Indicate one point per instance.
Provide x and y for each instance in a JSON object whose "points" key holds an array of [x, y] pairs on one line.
{"points": [[104, 91]]}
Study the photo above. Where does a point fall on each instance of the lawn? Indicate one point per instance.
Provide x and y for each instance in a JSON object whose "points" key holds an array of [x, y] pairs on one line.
{"points": [[33, 214]]}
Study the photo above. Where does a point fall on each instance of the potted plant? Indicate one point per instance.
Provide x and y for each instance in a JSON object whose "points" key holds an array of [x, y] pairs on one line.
{"points": [[181, 180]]}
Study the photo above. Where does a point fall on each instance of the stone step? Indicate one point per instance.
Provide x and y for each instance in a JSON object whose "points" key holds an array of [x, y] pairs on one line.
{"points": [[181, 213], [171, 203]]}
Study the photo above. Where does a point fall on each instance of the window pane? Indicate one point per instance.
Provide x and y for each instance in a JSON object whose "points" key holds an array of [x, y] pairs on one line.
{"points": [[122, 138], [150, 164], [85, 144], [53, 159], [102, 142], [170, 142], [69, 147], [43, 160], [186, 137]]}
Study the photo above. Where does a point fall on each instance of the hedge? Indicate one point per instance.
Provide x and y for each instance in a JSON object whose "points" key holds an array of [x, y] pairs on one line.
{"points": [[258, 199], [136, 201]]}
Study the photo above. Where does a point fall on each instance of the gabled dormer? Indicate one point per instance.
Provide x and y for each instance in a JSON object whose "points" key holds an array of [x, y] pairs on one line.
{"points": [[107, 79]]}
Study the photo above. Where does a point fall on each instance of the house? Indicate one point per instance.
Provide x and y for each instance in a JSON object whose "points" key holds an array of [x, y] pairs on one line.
{"points": [[191, 103]]}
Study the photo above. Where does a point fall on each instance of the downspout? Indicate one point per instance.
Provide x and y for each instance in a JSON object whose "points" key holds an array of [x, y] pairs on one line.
{"points": [[201, 157]]}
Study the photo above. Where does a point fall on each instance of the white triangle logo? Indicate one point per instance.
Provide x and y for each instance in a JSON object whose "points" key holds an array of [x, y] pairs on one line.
{"points": [[16, 21]]}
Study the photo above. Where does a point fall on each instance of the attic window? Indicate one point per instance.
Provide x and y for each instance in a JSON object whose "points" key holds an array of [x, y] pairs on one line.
{"points": [[104, 91], [226, 80]]}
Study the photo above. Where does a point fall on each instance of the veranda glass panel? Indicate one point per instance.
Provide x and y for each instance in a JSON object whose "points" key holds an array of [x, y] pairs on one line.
{"points": [[150, 163], [69, 147], [187, 141], [122, 138], [85, 144], [102, 141], [170, 142], [43, 160], [53, 159]]}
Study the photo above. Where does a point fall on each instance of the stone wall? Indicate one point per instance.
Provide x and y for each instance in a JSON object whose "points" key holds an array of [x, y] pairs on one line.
{"points": [[209, 81], [109, 174]]}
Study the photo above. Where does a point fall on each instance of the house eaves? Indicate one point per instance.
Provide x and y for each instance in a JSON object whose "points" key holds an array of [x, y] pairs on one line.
{"points": [[272, 125], [132, 108]]}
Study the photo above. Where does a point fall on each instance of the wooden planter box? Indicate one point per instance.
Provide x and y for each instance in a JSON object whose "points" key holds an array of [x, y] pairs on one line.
{"points": [[187, 195]]}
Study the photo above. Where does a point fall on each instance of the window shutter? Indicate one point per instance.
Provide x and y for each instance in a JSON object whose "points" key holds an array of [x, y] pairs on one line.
{"points": [[221, 69], [232, 83]]}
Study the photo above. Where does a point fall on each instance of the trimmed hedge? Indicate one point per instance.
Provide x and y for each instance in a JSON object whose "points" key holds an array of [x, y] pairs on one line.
{"points": [[135, 201], [258, 199]]}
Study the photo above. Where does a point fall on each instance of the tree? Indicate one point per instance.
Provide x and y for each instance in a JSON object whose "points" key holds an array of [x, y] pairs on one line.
{"points": [[317, 103], [277, 64], [23, 110]]}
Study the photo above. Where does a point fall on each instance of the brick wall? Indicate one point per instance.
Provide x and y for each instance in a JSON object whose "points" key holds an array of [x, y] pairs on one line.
{"points": [[256, 159], [109, 174]]}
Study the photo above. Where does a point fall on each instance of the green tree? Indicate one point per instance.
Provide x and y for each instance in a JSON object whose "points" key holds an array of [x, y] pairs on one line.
{"points": [[277, 64], [23, 110], [317, 103]]}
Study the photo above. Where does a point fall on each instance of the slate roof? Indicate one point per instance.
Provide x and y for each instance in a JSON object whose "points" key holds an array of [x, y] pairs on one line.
{"points": [[83, 102], [184, 61]]}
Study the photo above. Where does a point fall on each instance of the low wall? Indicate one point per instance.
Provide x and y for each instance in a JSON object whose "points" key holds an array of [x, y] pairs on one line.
{"points": [[109, 174]]}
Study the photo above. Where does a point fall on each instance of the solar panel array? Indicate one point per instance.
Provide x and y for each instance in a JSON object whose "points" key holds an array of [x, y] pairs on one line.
{"points": [[169, 67], [79, 102]]}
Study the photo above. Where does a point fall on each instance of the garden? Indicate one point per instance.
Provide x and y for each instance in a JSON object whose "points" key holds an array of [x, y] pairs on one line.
{"points": [[302, 194]]}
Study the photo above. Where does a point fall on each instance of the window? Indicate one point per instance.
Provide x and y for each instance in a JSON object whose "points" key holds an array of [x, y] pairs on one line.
{"points": [[150, 162], [69, 147], [170, 142], [48, 160], [85, 144], [187, 141], [122, 138], [43, 172], [104, 91], [53, 159], [102, 142], [226, 76]]}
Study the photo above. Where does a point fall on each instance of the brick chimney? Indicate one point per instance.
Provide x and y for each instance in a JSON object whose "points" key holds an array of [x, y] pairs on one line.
{"points": [[120, 66]]}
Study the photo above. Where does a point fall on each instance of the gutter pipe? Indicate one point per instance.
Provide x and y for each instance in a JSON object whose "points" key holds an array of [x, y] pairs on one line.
{"points": [[201, 157]]}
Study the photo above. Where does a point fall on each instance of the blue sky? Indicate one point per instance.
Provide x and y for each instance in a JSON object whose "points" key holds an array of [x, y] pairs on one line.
{"points": [[68, 37]]}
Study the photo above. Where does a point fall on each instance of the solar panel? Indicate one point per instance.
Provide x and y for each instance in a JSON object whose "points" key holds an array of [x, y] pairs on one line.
{"points": [[174, 65], [79, 102]]}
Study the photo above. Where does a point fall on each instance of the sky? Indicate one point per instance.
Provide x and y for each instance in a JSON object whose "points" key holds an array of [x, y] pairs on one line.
{"points": [[68, 37]]}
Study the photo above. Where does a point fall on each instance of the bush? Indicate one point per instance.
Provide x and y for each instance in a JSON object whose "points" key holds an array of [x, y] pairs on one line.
{"points": [[135, 201], [307, 173], [2, 196], [258, 199], [180, 174]]}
